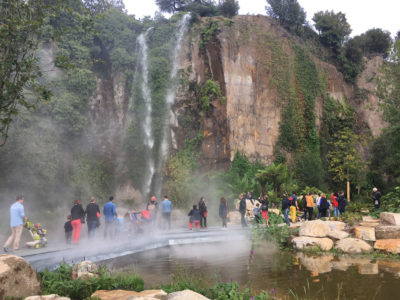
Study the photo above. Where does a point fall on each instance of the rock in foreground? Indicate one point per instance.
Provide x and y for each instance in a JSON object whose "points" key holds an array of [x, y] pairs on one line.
{"points": [[353, 246], [306, 241], [186, 295], [388, 245], [365, 233], [387, 232], [314, 228], [128, 295], [390, 218], [47, 297], [17, 277]]}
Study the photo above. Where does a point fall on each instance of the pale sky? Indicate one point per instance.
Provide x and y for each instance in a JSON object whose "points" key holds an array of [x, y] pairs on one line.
{"points": [[361, 14]]}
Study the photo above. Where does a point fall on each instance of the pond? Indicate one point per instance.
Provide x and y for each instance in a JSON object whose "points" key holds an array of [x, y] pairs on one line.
{"points": [[323, 277]]}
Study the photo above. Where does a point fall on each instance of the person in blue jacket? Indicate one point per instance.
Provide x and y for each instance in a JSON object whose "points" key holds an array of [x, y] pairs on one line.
{"points": [[110, 214], [166, 209]]}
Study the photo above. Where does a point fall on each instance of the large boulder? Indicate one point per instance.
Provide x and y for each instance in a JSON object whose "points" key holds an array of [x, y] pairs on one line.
{"points": [[47, 297], [388, 245], [301, 242], [234, 218], [387, 232], [84, 269], [314, 228], [336, 225], [17, 278], [338, 234], [365, 233], [390, 218], [369, 219], [353, 246], [186, 295], [128, 295]]}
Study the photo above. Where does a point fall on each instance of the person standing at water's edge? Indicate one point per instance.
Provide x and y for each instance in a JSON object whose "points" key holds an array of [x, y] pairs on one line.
{"points": [[203, 212], [17, 217], [285, 208], [194, 217], [242, 210], [152, 207], [377, 198], [293, 207], [166, 208], [92, 216], [110, 213], [264, 208], [77, 218], [223, 211]]}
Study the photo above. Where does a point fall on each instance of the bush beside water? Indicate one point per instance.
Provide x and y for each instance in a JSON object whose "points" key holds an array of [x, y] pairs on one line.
{"points": [[59, 282]]}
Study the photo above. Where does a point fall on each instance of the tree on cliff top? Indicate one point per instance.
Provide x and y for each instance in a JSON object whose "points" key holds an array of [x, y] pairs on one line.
{"points": [[333, 29], [289, 13], [227, 8]]}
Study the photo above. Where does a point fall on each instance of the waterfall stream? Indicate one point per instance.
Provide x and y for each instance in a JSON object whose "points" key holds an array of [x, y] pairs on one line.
{"points": [[170, 97], [147, 123]]}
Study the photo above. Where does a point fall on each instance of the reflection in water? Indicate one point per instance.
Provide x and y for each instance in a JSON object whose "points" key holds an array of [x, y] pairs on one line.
{"points": [[266, 267]]}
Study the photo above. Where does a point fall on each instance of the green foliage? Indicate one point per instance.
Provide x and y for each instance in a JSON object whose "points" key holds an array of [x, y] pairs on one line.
{"points": [[209, 30], [386, 149], [209, 92], [22, 25], [333, 29], [289, 13], [59, 282], [220, 291], [277, 174], [229, 8], [375, 41], [344, 159], [181, 172], [274, 233]]}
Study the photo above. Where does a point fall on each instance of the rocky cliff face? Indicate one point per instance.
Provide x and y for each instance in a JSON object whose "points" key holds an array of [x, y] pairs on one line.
{"points": [[246, 57]]}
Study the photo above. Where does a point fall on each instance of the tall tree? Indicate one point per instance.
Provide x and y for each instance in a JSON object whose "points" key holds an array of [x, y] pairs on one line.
{"points": [[333, 29], [289, 13], [21, 24], [387, 147], [229, 8]]}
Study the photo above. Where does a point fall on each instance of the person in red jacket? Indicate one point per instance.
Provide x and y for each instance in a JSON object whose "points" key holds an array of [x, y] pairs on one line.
{"points": [[335, 204]]}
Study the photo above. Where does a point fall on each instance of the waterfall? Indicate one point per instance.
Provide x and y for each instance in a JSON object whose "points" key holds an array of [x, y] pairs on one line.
{"points": [[170, 97], [147, 122]]}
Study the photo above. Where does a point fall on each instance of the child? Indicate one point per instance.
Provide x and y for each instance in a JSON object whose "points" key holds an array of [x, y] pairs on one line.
{"points": [[68, 230], [256, 212], [195, 217]]}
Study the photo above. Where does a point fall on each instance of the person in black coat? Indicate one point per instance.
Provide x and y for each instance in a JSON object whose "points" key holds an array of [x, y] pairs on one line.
{"points": [[242, 210], [377, 198], [195, 217], [203, 212], [342, 203], [92, 216], [77, 218], [223, 211]]}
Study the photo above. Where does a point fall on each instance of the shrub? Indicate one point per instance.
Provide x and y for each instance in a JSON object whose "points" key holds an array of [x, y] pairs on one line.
{"points": [[59, 282]]}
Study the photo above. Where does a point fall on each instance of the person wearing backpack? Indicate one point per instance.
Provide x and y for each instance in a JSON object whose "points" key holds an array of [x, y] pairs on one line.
{"points": [[285, 208], [293, 207], [342, 203], [376, 197], [264, 208], [310, 205], [323, 206]]}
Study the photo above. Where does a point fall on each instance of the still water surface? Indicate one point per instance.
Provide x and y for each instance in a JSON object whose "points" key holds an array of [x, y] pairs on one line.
{"points": [[268, 268]]}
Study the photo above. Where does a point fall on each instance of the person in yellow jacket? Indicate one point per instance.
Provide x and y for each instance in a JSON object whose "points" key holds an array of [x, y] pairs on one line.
{"points": [[293, 207], [310, 205]]}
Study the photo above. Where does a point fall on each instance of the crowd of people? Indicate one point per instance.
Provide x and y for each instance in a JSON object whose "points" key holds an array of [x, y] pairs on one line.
{"points": [[136, 221]]}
